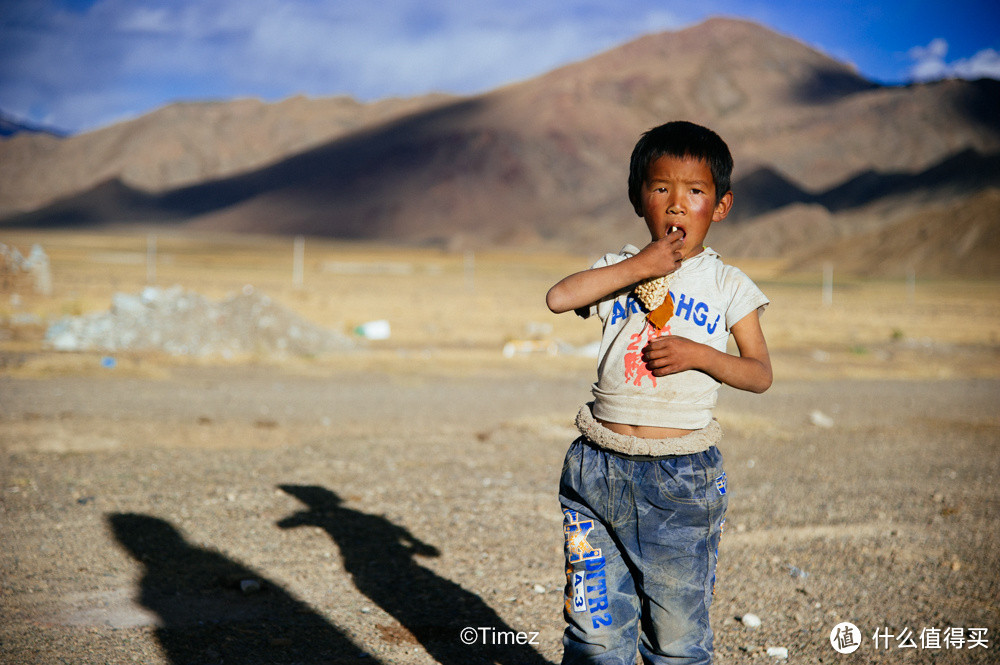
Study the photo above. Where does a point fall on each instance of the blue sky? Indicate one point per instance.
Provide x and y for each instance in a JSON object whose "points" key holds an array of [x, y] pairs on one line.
{"points": [[81, 64]]}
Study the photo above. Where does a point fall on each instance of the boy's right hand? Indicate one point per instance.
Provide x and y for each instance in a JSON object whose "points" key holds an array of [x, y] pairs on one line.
{"points": [[662, 257], [584, 288]]}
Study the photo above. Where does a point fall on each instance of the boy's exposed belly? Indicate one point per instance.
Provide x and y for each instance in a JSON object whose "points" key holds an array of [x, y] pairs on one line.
{"points": [[645, 431]]}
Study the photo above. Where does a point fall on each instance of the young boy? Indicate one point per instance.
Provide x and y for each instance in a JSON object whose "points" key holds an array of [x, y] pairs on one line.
{"points": [[643, 489]]}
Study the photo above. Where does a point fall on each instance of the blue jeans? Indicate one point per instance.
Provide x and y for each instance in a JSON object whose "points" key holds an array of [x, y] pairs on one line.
{"points": [[642, 542]]}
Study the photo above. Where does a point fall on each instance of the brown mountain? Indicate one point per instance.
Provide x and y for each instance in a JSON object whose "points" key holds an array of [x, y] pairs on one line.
{"points": [[181, 144], [959, 241], [546, 160]]}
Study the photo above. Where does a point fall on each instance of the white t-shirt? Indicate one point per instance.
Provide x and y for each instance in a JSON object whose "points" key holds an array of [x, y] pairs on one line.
{"points": [[709, 297]]}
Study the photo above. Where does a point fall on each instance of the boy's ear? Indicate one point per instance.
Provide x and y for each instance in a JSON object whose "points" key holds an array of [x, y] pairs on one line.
{"points": [[723, 207]]}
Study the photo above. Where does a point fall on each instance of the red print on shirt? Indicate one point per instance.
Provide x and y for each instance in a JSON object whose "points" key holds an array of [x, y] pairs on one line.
{"points": [[635, 368]]}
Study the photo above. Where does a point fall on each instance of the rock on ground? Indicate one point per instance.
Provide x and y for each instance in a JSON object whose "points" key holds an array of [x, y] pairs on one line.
{"points": [[184, 323]]}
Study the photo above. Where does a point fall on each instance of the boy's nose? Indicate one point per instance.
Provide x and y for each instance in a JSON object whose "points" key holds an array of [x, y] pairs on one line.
{"points": [[675, 204]]}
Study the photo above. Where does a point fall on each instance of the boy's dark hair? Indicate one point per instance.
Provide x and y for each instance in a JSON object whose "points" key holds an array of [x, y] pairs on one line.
{"points": [[679, 139]]}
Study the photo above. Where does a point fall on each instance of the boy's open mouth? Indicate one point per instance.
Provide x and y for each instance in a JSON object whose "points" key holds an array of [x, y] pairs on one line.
{"points": [[677, 228]]}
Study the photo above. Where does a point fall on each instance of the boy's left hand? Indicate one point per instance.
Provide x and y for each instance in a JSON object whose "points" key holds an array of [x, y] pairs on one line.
{"points": [[671, 354]]}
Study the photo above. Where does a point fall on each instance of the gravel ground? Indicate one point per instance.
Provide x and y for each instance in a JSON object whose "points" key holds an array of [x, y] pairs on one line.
{"points": [[247, 514]]}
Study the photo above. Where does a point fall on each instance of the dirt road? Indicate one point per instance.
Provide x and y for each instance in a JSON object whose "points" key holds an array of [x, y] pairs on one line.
{"points": [[254, 515]]}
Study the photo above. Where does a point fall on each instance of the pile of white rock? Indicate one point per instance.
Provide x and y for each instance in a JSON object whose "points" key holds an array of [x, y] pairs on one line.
{"points": [[184, 323]]}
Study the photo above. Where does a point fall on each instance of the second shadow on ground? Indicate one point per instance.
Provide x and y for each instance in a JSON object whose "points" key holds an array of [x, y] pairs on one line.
{"points": [[380, 557]]}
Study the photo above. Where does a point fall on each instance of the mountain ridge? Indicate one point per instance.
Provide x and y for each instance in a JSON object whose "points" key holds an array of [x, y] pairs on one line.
{"points": [[545, 160]]}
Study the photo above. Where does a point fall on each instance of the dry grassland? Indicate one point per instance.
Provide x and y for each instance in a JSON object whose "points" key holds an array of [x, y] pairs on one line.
{"points": [[455, 311]]}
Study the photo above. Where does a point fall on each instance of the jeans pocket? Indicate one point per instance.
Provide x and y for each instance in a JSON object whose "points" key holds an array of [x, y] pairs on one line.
{"points": [[697, 479]]}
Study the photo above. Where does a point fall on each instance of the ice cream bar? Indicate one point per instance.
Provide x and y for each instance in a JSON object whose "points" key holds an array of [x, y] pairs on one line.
{"points": [[659, 316]]}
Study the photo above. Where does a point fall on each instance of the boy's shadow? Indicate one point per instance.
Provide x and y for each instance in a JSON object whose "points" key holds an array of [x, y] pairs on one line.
{"points": [[379, 556], [205, 617]]}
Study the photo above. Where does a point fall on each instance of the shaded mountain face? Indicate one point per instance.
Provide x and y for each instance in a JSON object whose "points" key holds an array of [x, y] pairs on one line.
{"points": [[966, 245], [182, 145], [543, 161]]}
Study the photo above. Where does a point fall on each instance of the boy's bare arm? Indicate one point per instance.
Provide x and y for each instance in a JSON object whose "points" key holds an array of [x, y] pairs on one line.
{"points": [[751, 370], [586, 287]]}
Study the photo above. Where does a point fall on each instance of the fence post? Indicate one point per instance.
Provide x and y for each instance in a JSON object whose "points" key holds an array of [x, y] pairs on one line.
{"points": [[470, 271], [298, 260], [151, 259], [827, 284]]}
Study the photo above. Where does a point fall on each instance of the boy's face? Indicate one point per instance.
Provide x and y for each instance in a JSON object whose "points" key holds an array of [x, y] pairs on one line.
{"points": [[681, 192]]}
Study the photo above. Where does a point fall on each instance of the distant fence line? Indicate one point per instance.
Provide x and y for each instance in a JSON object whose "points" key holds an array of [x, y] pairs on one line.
{"points": [[827, 287]]}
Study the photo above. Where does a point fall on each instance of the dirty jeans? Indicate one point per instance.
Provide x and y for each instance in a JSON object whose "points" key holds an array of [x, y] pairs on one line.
{"points": [[642, 542]]}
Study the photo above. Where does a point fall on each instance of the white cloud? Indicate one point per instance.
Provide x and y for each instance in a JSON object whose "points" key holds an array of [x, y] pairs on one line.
{"points": [[59, 63], [154, 21], [930, 63], [421, 46], [985, 64], [936, 50], [79, 69]]}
